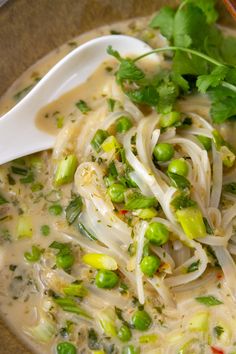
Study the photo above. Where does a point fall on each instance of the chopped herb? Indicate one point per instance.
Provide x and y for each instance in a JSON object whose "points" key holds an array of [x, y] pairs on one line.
{"points": [[74, 209], [179, 181], [208, 300], [99, 137], [84, 231], [230, 188], [22, 93], [207, 226], [11, 180], [112, 169], [193, 267], [82, 106], [34, 255], [182, 201], [60, 121], [115, 32], [19, 170], [93, 342], [69, 305], [28, 179], [123, 288], [12, 267], [75, 289], [36, 187], [111, 104], [64, 258], [119, 313], [218, 331], [3, 200], [136, 200]]}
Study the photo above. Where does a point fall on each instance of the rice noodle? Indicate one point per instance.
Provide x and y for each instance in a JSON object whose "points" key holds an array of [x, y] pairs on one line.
{"points": [[217, 178], [228, 267], [138, 273]]}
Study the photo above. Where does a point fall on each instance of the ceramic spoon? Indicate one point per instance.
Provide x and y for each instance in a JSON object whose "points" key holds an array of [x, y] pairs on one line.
{"points": [[19, 136]]}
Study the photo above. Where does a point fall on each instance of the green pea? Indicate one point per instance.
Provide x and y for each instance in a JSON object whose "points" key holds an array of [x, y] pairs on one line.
{"points": [[149, 265], [130, 349], [98, 138], [45, 230], [141, 320], [157, 233], [55, 209], [123, 124], [205, 141], [106, 279], [116, 192], [65, 261], [167, 120], [163, 152], [66, 348], [179, 167], [124, 333]]}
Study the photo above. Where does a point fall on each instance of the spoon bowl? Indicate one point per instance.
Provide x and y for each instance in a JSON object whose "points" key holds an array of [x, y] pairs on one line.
{"points": [[19, 135]]}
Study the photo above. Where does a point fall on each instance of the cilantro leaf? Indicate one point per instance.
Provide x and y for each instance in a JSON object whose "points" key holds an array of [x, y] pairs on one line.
{"points": [[207, 7], [113, 53], [144, 95], [168, 92], [129, 71], [223, 104], [190, 27], [211, 80], [213, 42], [187, 64], [228, 50], [165, 21], [208, 300], [180, 81]]}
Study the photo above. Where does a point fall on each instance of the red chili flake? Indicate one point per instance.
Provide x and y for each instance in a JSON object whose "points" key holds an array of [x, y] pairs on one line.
{"points": [[216, 350], [123, 212], [219, 275]]}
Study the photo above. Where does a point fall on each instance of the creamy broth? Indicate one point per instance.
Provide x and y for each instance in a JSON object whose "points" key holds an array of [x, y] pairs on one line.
{"points": [[33, 212], [65, 107]]}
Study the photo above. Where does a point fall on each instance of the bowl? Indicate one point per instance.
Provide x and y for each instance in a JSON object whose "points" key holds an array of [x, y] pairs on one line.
{"points": [[29, 32]]}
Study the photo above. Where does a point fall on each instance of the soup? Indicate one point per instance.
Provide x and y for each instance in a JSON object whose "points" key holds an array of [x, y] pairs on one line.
{"points": [[122, 239]]}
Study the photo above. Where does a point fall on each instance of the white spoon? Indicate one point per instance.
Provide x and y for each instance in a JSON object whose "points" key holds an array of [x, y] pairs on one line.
{"points": [[19, 136]]}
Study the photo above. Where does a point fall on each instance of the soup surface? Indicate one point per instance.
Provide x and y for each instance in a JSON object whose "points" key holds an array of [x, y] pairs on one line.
{"points": [[122, 239]]}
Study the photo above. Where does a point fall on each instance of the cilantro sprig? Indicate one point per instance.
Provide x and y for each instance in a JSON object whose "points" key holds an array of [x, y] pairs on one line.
{"points": [[204, 60]]}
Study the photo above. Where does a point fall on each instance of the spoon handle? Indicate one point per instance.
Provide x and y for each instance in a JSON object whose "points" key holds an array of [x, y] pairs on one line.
{"points": [[19, 135]]}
